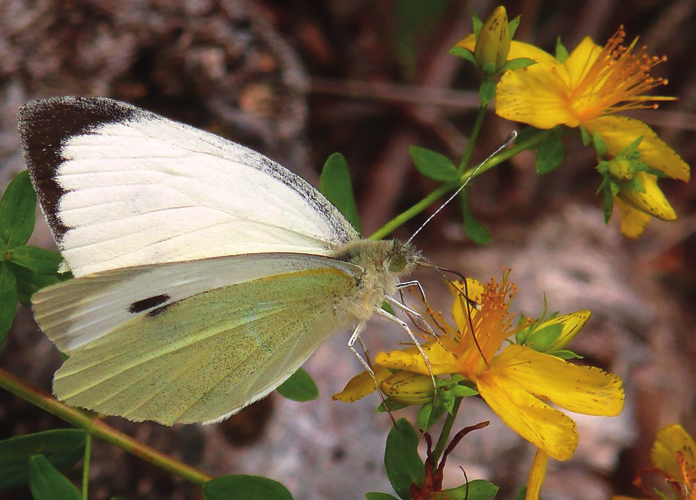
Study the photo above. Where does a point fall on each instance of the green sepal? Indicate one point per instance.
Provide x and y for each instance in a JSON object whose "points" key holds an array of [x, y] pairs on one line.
{"points": [[474, 230], [540, 339], [299, 387], [565, 354], [476, 24], [46, 483], [520, 62], [599, 145], [561, 51], [244, 487], [8, 300], [336, 185], [463, 53], [404, 465], [550, 154], [513, 25], [17, 211], [433, 165], [429, 414], [63, 448]]}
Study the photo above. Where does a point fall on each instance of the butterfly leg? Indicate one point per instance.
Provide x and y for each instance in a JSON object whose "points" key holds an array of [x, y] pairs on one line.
{"points": [[402, 324]]}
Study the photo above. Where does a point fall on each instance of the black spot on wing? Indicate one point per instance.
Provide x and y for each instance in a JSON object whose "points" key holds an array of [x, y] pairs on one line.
{"points": [[45, 126], [148, 303]]}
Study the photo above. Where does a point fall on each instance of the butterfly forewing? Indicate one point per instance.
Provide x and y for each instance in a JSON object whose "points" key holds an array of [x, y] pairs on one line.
{"points": [[124, 187]]}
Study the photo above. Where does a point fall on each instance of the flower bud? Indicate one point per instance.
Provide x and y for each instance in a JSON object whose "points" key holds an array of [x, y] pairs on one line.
{"points": [[408, 388], [556, 333], [493, 42]]}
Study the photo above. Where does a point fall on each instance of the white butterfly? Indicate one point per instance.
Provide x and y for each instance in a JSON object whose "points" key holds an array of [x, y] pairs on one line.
{"points": [[205, 273]]}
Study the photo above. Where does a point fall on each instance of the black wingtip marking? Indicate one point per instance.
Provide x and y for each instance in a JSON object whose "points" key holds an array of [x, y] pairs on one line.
{"points": [[143, 305], [45, 125]]}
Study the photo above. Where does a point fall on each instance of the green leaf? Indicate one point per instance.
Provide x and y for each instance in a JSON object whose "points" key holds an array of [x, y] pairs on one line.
{"points": [[35, 259], [404, 465], [336, 185], [299, 387], [478, 489], [379, 496], [18, 211], [474, 230], [243, 487], [46, 483], [8, 300], [433, 165], [487, 91], [390, 405], [463, 53], [550, 154], [63, 448], [29, 282], [527, 134]]}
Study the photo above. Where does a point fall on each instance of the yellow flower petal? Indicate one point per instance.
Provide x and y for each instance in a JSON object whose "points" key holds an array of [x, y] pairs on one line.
{"points": [[442, 361], [534, 420], [633, 222], [620, 131], [670, 440], [535, 95], [652, 201], [581, 389], [537, 474], [361, 385], [581, 59]]}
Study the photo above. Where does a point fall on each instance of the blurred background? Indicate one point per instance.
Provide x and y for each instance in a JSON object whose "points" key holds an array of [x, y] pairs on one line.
{"points": [[301, 79]]}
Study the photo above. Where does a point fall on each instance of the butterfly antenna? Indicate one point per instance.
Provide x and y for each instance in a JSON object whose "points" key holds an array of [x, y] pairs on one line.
{"points": [[505, 143]]}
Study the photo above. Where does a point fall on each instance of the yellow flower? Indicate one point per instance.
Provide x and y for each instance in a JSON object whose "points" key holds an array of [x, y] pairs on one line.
{"points": [[674, 452], [515, 381], [673, 457], [587, 89]]}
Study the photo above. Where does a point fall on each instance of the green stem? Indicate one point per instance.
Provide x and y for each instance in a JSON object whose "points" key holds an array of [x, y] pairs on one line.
{"points": [[422, 205], [472, 138], [446, 431], [85, 466], [97, 428]]}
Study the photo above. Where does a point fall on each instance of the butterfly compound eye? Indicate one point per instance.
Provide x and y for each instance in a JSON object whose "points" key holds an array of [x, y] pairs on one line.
{"points": [[397, 263]]}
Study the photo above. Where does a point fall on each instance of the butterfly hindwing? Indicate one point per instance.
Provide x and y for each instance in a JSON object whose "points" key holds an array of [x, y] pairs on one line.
{"points": [[168, 365]]}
